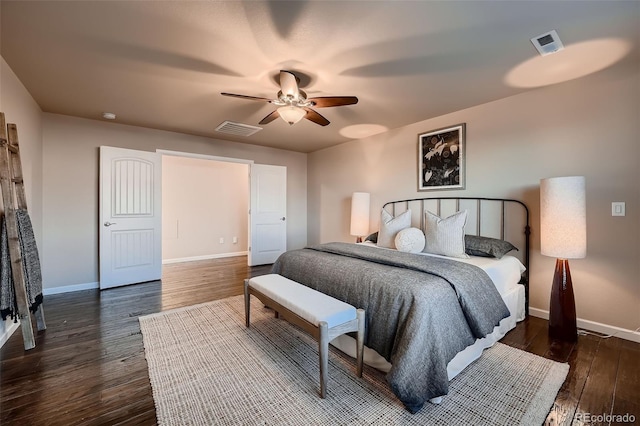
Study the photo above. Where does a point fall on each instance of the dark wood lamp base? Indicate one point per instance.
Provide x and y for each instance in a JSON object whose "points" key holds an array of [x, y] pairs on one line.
{"points": [[562, 307]]}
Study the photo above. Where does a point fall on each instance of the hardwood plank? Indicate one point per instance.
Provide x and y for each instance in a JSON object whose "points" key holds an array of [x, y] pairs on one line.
{"points": [[559, 351], [597, 396], [540, 344], [626, 402], [580, 362], [525, 332], [56, 376]]}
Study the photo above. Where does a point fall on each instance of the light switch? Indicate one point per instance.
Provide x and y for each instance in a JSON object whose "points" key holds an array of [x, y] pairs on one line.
{"points": [[617, 208]]}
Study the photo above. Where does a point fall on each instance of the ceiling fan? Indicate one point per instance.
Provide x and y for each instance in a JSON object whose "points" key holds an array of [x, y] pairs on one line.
{"points": [[293, 104]]}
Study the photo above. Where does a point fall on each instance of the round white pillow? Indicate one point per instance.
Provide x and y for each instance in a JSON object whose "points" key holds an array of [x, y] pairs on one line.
{"points": [[410, 240]]}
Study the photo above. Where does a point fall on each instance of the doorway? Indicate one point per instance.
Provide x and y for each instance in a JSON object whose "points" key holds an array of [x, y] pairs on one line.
{"points": [[204, 208], [122, 183]]}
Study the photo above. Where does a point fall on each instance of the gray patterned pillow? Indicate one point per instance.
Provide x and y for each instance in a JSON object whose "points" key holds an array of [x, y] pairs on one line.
{"points": [[445, 236], [487, 247]]}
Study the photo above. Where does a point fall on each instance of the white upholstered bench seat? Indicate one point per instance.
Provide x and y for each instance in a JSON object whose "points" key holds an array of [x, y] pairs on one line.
{"points": [[322, 316], [304, 301]]}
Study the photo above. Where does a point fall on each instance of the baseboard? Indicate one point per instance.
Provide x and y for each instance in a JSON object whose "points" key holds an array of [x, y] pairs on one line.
{"points": [[205, 257], [13, 326], [69, 288], [605, 329]]}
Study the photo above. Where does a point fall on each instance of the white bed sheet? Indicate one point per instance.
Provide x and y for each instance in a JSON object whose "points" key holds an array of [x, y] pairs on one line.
{"points": [[505, 274]]}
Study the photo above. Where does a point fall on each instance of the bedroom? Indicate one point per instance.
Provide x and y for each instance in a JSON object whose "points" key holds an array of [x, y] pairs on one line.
{"points": [[587, 126]]}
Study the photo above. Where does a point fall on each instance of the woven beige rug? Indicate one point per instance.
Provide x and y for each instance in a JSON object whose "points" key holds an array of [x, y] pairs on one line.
{"points": [[206, 368]]}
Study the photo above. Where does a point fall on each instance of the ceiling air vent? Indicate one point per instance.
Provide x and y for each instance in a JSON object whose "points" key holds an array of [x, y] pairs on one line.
{"points": [[548, 43], [237, 129]]}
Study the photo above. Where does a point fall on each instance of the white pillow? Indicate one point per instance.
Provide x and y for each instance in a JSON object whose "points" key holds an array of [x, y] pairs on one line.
{"points": [[445, 236], [410, 240], [390, 226]]}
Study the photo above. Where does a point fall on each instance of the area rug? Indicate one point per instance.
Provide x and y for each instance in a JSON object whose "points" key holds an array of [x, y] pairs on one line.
{"points": [[207, 368]]}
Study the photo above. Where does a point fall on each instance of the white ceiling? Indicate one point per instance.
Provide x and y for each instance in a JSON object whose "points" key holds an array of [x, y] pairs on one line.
{"points": [[163, 64]]}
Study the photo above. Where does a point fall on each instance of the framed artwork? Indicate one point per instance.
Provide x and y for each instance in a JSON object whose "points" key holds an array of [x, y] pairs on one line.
{"points": [[441, 158]]}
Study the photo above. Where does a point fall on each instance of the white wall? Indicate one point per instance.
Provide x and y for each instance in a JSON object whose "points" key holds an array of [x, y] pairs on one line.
{"points": [[70, 164], [203, 201], [20, 108], [585, 127]]}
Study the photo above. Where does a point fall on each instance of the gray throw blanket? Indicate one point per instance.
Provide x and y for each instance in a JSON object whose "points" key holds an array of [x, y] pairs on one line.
{"points": [[421, 310], [31, 267]]}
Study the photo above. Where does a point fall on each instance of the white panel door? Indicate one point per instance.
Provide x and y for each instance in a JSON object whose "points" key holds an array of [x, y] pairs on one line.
{"points": [[130, 216], [268, 214]]}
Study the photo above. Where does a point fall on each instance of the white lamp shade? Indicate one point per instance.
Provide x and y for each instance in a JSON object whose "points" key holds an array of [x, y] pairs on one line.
{"points": [[563, 217], [360, 213], [291, 114]]}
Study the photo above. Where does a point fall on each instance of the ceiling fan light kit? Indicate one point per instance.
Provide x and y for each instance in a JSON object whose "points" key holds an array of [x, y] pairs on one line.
{"points": [[293, 103], [291, 114]]}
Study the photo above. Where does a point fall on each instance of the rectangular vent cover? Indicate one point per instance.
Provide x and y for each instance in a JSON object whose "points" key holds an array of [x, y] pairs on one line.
{"points": [[237, 129], [548, 43]]}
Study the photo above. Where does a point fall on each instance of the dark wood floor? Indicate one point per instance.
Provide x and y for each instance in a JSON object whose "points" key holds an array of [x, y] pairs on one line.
{"points": [[88, 367]]}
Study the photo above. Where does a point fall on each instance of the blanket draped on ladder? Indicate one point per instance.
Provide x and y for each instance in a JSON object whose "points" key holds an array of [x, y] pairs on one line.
{"points": [[31, 267]]}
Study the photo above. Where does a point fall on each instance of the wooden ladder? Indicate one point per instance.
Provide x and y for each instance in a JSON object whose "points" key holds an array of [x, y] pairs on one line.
{"points": [[13, 197]]}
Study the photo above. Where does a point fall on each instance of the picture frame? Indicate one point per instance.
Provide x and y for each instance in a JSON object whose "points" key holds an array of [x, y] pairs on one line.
{"points": [[441, 158]]}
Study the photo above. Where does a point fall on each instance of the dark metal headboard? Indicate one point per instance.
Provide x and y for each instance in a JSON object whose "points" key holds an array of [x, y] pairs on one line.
{"points": [[504, 206]]}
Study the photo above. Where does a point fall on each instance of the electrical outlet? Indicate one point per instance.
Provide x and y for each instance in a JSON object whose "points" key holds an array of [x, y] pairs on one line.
{"points": [[235, 240], [221, 240], [617, 208]]}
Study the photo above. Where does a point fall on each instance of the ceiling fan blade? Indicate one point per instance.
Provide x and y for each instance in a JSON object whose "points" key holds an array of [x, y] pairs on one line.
{"points": [[289, 84], [333, 101], [315, 117], [249, 98], [269, 118]]}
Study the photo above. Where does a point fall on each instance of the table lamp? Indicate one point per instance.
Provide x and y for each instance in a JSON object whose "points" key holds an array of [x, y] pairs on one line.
{"points": [[360, 215]]}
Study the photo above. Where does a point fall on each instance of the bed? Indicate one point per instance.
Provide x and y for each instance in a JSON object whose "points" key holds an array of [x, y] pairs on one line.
{"points": [[428, 315]]}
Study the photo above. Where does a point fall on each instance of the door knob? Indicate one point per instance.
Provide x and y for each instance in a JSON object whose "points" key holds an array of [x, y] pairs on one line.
{"points": [[282, 218], [107, 223]]}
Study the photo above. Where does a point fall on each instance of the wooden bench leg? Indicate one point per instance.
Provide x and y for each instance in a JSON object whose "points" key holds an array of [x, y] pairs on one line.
{"points": [[360, 341], [247, 302], [320, 331], [323, 349]]}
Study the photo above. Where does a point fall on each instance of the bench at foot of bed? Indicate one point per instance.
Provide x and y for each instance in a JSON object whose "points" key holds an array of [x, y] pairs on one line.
{"points": [[320, 315]]}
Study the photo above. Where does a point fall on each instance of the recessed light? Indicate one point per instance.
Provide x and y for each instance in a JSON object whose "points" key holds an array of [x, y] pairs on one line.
{"points": [[109, 115]]}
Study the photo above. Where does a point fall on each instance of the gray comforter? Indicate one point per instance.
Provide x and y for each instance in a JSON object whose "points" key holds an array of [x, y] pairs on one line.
{"points": [[421, 310]]}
